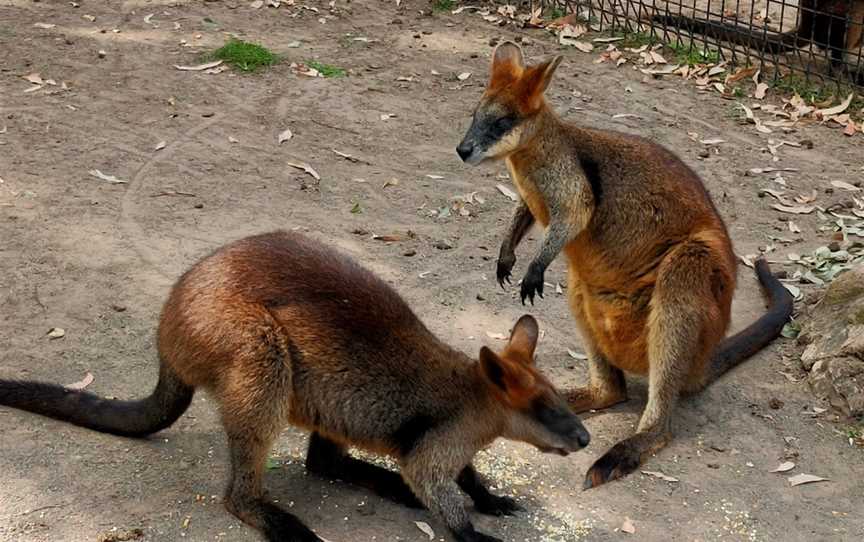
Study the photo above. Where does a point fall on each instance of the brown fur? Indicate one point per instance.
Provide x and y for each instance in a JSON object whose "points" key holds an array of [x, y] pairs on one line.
{"points": [[651, 266], [281, 330]]}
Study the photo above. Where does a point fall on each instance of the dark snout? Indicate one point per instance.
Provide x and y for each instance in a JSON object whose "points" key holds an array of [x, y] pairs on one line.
{"points": [[465, 150], [581, 435]]}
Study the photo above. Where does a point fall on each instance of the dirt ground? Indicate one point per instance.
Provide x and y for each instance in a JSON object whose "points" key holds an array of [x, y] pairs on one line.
{"points": [[96, 259]]}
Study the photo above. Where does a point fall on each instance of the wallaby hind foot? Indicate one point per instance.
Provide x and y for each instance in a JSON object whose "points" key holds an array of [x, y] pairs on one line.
{"points": [[329, 459], [625, 457]]}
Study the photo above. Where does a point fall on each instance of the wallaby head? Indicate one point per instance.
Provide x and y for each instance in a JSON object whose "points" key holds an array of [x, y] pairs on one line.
{"points": [[513, 98], [533, 409]]}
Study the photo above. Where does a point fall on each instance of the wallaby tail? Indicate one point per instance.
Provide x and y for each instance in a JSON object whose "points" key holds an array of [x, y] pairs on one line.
{"points": [[755, 38], [735, 349], [138, 418]]}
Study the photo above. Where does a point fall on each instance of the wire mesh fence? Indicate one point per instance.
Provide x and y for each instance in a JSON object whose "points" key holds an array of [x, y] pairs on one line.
{"points": [[819, 40]]}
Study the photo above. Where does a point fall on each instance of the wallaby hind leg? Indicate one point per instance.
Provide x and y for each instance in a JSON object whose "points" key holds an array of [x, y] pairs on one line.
{"points": [[485, 501], [680, 337], [607, 385], [245, 498], [329, 459]]}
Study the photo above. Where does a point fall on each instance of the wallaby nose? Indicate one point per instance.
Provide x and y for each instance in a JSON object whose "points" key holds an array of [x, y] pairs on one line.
{"points": [[464, 150], [583, 438]]}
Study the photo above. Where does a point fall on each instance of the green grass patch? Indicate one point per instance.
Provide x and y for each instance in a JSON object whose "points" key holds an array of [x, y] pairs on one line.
{"points": [[327, 70], [554, 13], [635, 40], [245, 56], [685, 54], [439, 6], [811, 90]]}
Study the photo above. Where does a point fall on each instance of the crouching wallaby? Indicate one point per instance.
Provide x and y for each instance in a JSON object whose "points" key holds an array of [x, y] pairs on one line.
{"points": [[651, 267], [282, 330]]}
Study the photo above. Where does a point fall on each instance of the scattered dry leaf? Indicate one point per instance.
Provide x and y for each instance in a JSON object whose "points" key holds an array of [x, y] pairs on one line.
{"points": [[784, 467], [761, 91], [81, 384], [110, 178], [794, 209], [497, 336], [659, 475], [199, 67], [576, 355], [285, 135], [427, 530], [507, 192], [845, 186], [56, 333], [305, 167], [44, 26], [159, 146], [627, 526], [836, 110], [463, 76], [800, 479]]}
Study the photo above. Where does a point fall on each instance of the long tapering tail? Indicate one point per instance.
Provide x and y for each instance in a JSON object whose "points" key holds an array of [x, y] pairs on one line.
{"points": [[735, 349], [137, 418]]}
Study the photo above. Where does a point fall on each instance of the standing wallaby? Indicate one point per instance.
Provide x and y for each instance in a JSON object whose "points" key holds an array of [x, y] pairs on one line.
{"points": [[282, 330], [651, 267]]}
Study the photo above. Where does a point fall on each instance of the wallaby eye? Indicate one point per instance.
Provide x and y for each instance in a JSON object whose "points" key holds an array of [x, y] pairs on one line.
{"points": [[504, 124]]}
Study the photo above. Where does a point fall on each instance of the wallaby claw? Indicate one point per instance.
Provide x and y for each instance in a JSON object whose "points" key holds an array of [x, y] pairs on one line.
{"points": [[505, 266], [532, 285], [498, 506]]}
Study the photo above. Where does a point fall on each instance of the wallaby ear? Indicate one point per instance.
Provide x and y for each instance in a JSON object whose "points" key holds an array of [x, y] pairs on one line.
{"points": [[523, 339], [537, 78], [511, 378], [508, 63]]}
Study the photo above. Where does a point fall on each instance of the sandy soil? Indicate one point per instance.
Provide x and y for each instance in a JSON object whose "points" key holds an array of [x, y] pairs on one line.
{"points": [[97, 259]]}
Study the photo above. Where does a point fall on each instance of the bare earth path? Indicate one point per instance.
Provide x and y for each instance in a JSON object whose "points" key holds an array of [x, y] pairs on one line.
{"points": [[97, 259]]}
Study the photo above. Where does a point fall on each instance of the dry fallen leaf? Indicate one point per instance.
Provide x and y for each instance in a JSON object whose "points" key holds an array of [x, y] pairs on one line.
{"points": [[497, 336], [837, 109], [81, 384], [507, 192], [35, 78], [576, 355], [110, 178], [435, 177], [387, 116], [660, 475], [159, 146], [627, 526], [56, 333], [761, 91], [285, 135], [199, 67], [800, 479], [427, 530], [305, 167], [794, 227], [785, 467], [44, 26], [845, 186], [794, 209], [463, 76]]}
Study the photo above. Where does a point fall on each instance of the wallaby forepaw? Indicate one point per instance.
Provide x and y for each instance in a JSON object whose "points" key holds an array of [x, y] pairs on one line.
{"points": [[505, 267], [498, 506], [532, 284], [618, 462]]}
